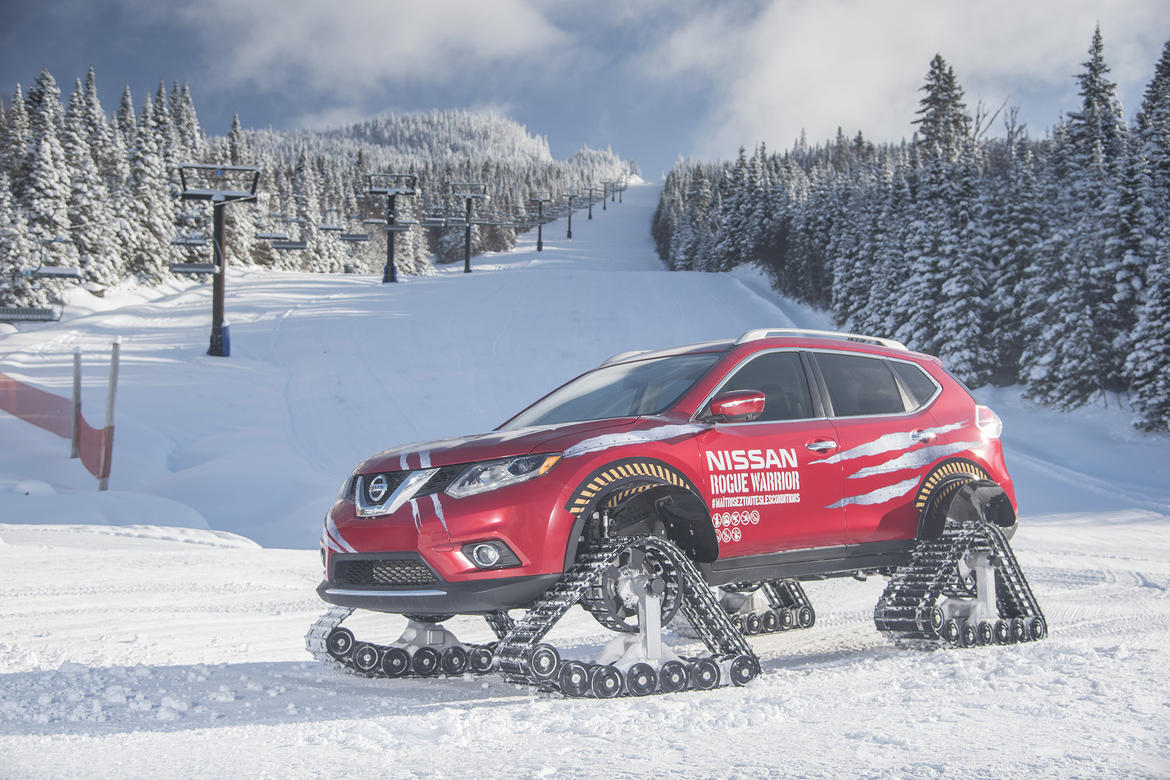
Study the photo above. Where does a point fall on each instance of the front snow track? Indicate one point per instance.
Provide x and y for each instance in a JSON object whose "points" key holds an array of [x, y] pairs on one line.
{"points": [[633, 665], [963, 589]]}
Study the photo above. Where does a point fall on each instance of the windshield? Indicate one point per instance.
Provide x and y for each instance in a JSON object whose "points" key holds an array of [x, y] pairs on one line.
{"points": [[624, 390]]}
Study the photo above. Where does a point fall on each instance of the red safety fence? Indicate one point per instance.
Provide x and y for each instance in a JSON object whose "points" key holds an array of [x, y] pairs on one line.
{"points": [[55, 414]]}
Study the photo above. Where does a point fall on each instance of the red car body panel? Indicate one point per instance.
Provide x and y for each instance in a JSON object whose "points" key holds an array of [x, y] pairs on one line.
{"points": [[768, 487]]}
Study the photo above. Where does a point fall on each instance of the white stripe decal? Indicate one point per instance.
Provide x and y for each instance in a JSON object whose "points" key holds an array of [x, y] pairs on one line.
{"points": [[915, 459], [890, 442], [424, 460], [402, 463], [609, 440], [879, 496], [331, 527], [414, 512], [439, 512]]}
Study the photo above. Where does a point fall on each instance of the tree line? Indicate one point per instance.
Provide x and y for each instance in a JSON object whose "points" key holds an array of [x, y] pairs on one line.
{"points": [[1042, 262], [100, 192]]}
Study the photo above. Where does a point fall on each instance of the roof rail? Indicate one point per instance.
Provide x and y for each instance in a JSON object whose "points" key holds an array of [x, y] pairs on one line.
{"points": [[764, 333], [619, 357]]}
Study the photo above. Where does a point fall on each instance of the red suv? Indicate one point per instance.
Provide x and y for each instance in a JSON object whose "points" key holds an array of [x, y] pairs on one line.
{"points": [[700, 484]]}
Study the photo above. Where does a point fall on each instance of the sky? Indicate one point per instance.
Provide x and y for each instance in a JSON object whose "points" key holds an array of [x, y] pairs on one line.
{"points": [[653, 79]]}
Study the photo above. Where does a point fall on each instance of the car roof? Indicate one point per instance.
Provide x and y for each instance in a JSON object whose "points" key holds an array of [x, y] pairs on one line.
{"points": [[793, 336]]}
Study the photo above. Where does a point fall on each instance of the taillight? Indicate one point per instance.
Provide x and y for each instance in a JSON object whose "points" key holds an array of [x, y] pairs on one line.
{"points": [[988, 422]]}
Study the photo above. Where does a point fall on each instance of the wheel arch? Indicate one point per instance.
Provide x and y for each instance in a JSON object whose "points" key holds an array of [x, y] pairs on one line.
{"points": [[961, 487], [646, 495]]}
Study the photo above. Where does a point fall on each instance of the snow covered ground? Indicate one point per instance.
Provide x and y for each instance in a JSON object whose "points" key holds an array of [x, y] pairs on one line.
{"points": [[156, 630]]}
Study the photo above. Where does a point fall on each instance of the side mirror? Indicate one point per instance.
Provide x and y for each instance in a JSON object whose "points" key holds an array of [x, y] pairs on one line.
{"points": [[736, 406]]}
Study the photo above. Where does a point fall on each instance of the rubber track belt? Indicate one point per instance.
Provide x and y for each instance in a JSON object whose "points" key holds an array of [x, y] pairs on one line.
{"points": [[699, 606], [905, 607]]}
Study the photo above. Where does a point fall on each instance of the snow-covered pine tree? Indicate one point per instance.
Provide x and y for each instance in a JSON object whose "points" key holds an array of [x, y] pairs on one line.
{"points": [[14, 137], [1148, 366], [943, 122], [46, 188], [18, 254], [154, 214], [90, 210]]}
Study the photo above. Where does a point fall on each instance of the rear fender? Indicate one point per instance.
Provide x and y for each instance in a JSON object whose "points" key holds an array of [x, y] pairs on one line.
{"points": [[962, 489]]}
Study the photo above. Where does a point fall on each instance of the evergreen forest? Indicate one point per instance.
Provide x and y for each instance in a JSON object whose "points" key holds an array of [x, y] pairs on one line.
{"points": [[1043, 262]]}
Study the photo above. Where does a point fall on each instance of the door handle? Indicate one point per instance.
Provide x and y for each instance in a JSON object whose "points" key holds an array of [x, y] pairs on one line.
{"points": [[821, 445], [922, 436]]}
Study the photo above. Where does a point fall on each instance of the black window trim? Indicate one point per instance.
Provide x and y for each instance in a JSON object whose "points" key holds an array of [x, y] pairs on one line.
{"points": [[906, 399], [818, 406]]}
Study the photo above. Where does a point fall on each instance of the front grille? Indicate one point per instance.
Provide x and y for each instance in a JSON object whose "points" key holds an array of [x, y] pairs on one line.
{"points": [[382, 572], [438, 482], [442, 479]]}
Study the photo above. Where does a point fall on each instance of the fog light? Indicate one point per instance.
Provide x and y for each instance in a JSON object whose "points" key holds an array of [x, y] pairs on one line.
{"points": [[492, 554], [485, 555]]}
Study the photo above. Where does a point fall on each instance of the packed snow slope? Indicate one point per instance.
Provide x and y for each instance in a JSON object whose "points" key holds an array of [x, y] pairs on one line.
{"points": [[156, 629]]}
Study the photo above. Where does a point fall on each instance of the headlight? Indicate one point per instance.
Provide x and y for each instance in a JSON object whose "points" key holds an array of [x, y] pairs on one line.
{"points": [[493, 474], [346, 491]]}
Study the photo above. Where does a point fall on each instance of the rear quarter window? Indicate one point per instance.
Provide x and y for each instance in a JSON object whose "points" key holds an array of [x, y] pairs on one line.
{"points": [[916, 382]]}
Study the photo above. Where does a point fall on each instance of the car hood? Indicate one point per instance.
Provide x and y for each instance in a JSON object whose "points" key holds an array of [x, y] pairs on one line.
{"points": [[496, 444]]}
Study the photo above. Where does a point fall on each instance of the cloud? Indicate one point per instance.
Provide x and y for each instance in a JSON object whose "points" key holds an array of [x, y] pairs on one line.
{"points": [[348, 49], [858, 65]]}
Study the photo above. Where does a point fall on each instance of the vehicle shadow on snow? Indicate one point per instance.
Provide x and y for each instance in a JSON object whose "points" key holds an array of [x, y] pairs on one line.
{"points": [[79, 699]]}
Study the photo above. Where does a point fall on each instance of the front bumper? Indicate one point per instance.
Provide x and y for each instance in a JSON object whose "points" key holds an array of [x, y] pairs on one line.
{"points": [[441, 597]]}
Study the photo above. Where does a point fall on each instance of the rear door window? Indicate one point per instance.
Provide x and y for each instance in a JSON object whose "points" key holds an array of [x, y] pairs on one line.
{"points": [[860, 385]]}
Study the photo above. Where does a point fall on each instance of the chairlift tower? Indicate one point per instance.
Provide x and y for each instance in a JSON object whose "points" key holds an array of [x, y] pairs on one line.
{"points": [[221, 185], [470, 191], [591, 189], [540, 199], [390, 186], [570, 195]]}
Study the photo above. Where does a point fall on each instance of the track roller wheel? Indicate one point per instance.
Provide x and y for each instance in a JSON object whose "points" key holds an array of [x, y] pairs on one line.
{"points": [[1037, 629], [769, 621], [641, 679], [737, 621], [1003, 632], [751, 624], [704, 674], [339, 642], [365, 658], [605, 681], [574, 679], [425, 661], [481, 659], [743, 670], [454, 661], [544, 660], [937, 619], [951, 631], [673, 676], [395, 662], [968, 635], [1019, 630], [787, 619], [805, 617], [986, 631]]}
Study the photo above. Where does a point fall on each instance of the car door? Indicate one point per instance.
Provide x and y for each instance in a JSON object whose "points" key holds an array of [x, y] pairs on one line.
{"points": [[883, 439], [759, 478]]}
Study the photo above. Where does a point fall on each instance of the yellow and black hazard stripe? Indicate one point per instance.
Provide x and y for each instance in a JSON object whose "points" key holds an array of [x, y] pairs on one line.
{"points": [[623, 479], [940, 485]]}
